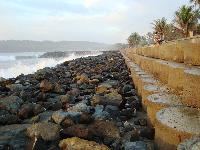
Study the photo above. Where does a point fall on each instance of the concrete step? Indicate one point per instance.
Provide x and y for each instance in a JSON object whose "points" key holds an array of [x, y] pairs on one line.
{"points": [[182, 51], [181, 78], [174, 125], [190, 144], [158, 101]]}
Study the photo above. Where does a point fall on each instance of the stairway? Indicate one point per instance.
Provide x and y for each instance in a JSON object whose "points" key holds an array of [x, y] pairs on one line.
{"points": [[167, 78]]}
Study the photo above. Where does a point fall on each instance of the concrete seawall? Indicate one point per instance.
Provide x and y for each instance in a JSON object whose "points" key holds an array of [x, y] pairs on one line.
{"points": [[167, 77]]}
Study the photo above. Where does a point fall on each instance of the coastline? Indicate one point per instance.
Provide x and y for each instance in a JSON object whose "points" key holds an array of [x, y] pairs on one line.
{"points": [[91, 98]]}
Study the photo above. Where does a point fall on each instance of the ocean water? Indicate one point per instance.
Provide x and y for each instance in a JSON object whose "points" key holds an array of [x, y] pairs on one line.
{"points": [[11, 66]]}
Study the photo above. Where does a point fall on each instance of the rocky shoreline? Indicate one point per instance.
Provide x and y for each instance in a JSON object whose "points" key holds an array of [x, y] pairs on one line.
{"points": [[84, 104]]}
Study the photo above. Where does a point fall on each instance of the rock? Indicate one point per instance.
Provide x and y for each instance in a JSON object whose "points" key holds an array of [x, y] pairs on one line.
{"points": [[11, 103], [83, 78], [45, 116], [2, 79], [13, 137], [46, 86], [26, 111], [85, 118], [80, 144], [100, 114], [38, 109], [138, 145], [112, 110], [97, 100], [110, 83], [47, 131], [127, 88], [79, 107], [102, 89], [60, 115], [78, 130], [67, 122], [68, 74], [58, 88], [113, 98], [141, 122], [132, 135], [106, 129], [74, 92], [7, 118], [147, 133], [37, 144], [16, 87], [94, 81], [65, 98]]}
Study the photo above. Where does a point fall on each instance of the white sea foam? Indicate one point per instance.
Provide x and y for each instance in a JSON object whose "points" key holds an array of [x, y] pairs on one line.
{"points": [[12, 68]]}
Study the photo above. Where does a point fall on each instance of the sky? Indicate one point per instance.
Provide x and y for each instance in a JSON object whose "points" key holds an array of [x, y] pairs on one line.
{"points": [[107, 21]]}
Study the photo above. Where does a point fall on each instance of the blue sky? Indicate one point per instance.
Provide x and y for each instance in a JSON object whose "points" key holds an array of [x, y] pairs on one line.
{"points": [[108, 21]]}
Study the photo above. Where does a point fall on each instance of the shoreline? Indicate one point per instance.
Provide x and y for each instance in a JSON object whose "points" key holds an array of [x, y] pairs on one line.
{"points": [[91, 98]]}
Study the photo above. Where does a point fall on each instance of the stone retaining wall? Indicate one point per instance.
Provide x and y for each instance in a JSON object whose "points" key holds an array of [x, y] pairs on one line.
{"points": [[168, 76]]}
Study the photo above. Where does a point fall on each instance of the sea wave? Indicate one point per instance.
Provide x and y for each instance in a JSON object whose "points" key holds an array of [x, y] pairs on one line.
{"points": [[29, 66]]}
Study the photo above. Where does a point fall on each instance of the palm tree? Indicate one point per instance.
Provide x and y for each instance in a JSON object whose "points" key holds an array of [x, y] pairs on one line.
{"points": [[134, 39], [160, 27], [196, 2], [186, 19]]}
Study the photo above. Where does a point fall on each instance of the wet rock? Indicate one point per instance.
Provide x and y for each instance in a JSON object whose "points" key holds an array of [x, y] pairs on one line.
{"points": [[138, 145], [46, 86], [106, 129], [80, 144], [47, 131], [11, 103]]}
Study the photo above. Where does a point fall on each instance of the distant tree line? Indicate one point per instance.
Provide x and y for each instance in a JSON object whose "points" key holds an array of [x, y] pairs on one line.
{"points": [[185, 23]]}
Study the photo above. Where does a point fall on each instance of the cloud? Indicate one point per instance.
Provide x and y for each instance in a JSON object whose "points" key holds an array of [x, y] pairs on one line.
{"points": [[90, 3], [107, 21]]}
